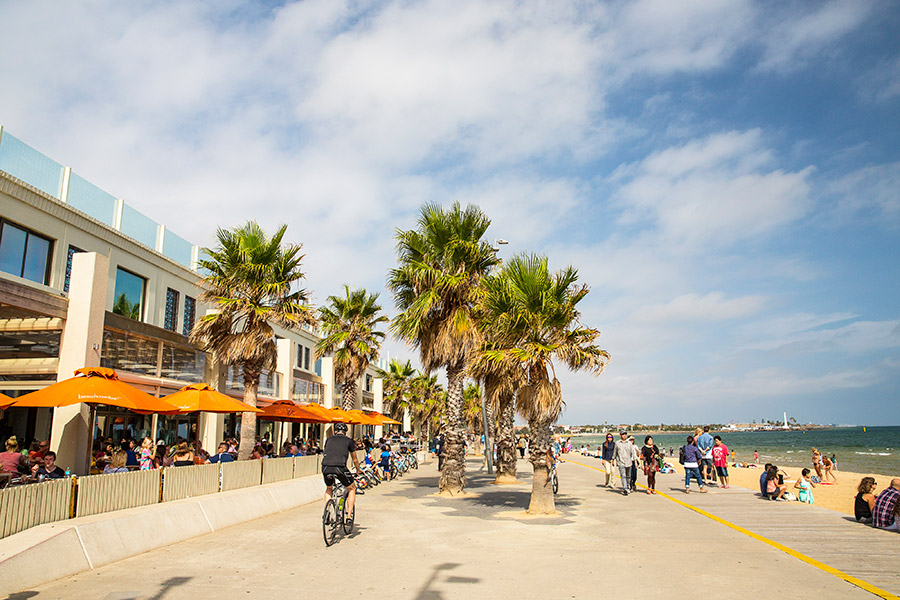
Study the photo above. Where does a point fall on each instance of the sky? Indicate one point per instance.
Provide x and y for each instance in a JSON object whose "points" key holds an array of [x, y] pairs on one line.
{"points": [[723, 175]]}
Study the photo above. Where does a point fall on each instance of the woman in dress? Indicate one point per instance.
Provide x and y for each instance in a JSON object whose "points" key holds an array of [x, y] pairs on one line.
{"points": [[145, 459], [650, 460], [864, 503], [805, 486]]}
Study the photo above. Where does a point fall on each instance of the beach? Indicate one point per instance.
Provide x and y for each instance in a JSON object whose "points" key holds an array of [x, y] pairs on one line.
{"points": [[838, 497]]}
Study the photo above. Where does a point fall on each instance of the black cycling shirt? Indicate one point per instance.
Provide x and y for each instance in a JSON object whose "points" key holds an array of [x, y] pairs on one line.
{"points": [[337, 450]]}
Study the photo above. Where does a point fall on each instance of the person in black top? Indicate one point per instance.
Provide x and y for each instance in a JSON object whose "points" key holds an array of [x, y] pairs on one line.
{"points": [[338, 448], [650, 458], [50, 469]]}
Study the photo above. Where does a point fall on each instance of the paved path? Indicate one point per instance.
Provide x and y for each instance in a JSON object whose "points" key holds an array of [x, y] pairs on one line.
{"points": [[832, 538], [411, 544]]}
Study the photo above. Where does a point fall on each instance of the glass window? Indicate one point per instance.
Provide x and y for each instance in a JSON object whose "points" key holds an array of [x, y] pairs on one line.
{"points": [[128, 352], [24, 253], [299, 357], [190, 311], [171, 309], [129, 295], [184, 364], [72, 252], [306, 358]]}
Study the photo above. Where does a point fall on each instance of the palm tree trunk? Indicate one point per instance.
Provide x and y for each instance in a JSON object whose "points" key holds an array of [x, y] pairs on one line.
{"points": [[542, 490], [248, 419], [453, 471], [348, 395], [506, 442]]}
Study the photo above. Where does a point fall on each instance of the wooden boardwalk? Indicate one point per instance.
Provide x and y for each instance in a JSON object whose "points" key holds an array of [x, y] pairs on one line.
{"points": [[830, 537]]}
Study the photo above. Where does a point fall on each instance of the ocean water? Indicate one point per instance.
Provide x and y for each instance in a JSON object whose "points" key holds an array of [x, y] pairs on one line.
{"points": [[875, 451]]}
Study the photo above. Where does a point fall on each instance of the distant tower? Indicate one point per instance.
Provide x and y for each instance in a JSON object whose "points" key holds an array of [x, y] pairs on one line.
{"points": [[785, 421]]}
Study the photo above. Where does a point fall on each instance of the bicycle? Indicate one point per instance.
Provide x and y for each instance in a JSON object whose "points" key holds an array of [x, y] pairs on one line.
{"points": [[335, 509], [554, 478]]}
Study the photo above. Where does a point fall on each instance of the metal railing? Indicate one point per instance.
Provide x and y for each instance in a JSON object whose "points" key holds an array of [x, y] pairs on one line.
{"points": [[25, 506]]}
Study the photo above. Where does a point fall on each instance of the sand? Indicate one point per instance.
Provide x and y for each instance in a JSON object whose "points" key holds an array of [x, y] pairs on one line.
{"points": [[838, 497]]}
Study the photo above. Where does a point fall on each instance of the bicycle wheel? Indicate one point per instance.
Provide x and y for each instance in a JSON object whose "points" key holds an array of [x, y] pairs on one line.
{"points": [[555, 483], [330, 522], [347, 522]]}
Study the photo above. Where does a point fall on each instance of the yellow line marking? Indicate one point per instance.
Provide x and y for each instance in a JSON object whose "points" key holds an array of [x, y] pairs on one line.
{"points": [[798, 555]]}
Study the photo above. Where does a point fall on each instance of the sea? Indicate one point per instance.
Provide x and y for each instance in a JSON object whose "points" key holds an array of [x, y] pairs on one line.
{"points": [[868, 450]]}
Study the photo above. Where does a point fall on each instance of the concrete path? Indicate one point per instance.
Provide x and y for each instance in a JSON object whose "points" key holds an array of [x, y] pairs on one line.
{"points": [[411, 544]]}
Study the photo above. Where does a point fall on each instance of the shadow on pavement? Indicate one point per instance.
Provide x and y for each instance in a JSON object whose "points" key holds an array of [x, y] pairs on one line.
{"points": [[428, 591]]}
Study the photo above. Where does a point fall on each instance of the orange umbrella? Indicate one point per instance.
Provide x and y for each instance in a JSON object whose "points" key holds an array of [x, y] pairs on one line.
{"points": [[355, 417], [93, 385], [285, 410], [333, 415], [368, 419], [199, 397], [384, 418], [5, 401]]}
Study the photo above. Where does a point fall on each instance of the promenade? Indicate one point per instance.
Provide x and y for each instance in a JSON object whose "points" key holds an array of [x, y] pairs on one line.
{"points": [[411, 544]]}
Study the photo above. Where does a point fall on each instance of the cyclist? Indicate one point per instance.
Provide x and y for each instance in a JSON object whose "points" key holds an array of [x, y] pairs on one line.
{"points": [[338, 448]]}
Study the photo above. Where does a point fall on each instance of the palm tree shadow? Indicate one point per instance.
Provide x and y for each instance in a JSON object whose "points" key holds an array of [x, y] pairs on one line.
{"points": [[168, 584], [427, 591]]}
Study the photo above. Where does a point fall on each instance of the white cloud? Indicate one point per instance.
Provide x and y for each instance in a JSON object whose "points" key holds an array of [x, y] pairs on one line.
{"points": [[808, 30], [718, 190], [695, 308], [871, 193]]}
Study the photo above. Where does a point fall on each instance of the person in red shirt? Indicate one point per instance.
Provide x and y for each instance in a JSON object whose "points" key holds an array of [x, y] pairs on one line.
{"points": [[720, 460]]}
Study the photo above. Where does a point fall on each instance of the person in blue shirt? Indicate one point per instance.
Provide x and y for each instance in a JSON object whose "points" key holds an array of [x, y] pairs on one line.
{"points": [[385, 462], [705, 444], [222, 456]]}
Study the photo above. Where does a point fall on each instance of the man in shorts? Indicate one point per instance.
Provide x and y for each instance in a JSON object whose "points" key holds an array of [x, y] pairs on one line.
{"points": [[705, 444], [338, 448]]}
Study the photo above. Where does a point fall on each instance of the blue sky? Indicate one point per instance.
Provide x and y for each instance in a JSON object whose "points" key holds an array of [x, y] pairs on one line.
{"points": [[724, 176]]}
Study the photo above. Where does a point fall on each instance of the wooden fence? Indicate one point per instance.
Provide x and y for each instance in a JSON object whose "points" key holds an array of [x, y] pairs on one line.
{"points": [[187, 482], [25, 506], [29, 505], [116, 491]]}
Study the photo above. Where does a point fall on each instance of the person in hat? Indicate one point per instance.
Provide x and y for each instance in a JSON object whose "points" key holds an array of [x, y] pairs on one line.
{"points": [[623, 456]]}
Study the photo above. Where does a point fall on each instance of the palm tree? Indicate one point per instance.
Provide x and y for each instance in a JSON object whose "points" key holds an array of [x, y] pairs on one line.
{"points": [[501, 379], [348, 325], [536, 323], [441, 263], [398, 380], [253, 281], [426, 402]]}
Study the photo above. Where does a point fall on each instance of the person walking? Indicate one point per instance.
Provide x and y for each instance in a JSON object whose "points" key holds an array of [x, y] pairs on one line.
{"points": [[692, 458], [635, 461], [650, 459], [705, 444], [720, 460], [521, 446], [606, 457], [622, 456]]}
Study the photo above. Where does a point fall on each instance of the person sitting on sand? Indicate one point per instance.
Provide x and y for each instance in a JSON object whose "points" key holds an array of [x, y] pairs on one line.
{"points": [[805, 486], [774, 491], [864, 503], [762, 480], [884, 512]]}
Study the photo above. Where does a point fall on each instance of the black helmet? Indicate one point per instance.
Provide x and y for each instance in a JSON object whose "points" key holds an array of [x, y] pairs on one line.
{"points": [[340, 428]]}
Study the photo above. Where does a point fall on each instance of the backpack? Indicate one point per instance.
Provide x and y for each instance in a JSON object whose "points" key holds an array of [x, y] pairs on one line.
{"points": [[681, 457]]}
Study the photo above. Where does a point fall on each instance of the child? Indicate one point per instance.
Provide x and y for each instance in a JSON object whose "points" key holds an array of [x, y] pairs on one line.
{"points": [[385, 462], [720, 460], [147, 451], [805, 486]]}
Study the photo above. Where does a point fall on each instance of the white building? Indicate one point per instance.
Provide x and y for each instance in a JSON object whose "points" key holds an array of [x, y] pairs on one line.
{"points": [[87, 280]]}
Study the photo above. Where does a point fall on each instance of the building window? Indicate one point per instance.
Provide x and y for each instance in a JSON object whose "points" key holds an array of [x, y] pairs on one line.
{"points": [[171, 309], [299, 356], [190, 312], [72, 252], [129, 294], [368, 383], [306, 358], [24, 253]]}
